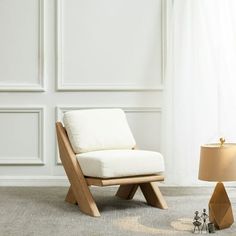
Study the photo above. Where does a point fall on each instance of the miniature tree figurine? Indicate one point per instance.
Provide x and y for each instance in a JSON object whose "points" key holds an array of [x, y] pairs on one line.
{"points": [[197, 223], [204, 217]]}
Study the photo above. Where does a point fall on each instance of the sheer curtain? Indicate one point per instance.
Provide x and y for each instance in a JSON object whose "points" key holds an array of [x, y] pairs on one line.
{"points": [[200, 96]]}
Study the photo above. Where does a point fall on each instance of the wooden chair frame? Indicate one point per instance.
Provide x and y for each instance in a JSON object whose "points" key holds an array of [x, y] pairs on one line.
{"points": [[79, 192]]}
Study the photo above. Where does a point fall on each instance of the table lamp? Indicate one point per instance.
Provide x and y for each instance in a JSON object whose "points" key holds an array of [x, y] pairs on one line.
{"points": [[218, 163]]}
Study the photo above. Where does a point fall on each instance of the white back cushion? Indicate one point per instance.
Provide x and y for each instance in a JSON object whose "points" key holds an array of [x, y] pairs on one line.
{"points": [[98, 129]]}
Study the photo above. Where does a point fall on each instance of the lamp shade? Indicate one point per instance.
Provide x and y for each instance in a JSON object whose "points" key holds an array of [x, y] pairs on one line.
{"points": [[218, 162]]}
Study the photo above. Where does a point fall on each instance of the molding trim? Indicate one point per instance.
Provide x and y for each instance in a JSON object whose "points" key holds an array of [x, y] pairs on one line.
{"points": [[38, 160], [62, 86], [34, 181], [164, 7], [126, 109], [33, 87], [61, 109]]}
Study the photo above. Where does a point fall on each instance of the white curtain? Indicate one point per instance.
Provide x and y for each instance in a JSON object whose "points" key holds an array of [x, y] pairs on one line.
{"points": [[200, 83]]}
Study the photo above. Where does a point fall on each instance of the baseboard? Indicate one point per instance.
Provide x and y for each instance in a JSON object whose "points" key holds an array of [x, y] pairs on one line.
{"points": [[34, 181], [46, 181]]}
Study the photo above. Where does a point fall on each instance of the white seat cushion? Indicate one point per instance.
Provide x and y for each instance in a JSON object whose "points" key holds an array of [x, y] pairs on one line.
{"points": [[98, 129], [120, 163]]}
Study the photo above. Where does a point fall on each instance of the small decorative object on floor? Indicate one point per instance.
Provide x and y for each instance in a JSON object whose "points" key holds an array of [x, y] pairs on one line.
{"points": [[211, 228], [197, 223], [204, 217]]}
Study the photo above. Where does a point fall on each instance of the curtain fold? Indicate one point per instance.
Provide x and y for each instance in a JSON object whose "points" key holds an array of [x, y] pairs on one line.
{"points": [[200, 82]]}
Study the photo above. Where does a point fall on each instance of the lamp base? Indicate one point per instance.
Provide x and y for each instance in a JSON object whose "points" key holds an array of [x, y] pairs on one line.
{"points": [[220, 209]]}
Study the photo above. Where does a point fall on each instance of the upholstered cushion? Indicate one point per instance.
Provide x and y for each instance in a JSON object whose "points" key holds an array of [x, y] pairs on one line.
{"points": [[120, 163], [98, 129]]}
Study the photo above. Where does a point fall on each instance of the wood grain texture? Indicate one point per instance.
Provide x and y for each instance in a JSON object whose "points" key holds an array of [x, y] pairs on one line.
{"points": [[78, 183], [127, 191], [220, 209], [70, 197], [153, 195], [125, 180]]}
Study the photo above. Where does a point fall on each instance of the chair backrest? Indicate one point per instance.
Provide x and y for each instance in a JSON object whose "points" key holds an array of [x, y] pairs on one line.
{"points": [[98, 129]]}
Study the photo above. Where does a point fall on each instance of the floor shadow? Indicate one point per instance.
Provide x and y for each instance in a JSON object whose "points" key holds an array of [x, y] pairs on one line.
{"points": [[54, 197]]}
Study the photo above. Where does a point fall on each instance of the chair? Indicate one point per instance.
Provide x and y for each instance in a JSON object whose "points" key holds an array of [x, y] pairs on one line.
{"points": [[97, 148]]}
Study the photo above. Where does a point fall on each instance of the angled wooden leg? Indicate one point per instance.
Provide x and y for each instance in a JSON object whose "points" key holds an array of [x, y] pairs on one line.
{"points": [[127, 191], [85, 199], [153, 195], [75, 175], [70, 197]]}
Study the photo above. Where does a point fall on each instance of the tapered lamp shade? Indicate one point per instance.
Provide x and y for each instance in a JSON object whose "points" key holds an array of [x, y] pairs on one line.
{"points": [[218, 162]]}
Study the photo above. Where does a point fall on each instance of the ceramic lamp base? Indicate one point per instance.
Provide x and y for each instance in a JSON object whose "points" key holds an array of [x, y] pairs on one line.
{"points": [[220, 209]]}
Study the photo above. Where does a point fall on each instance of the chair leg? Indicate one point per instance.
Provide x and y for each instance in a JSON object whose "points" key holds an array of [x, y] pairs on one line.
{"points": [[70, 197], [127, 191], [75, 175], [85, 200], [153, 195]]}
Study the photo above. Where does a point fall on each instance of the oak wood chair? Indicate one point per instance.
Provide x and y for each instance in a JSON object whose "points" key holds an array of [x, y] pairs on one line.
{"points": [[79, 192]]}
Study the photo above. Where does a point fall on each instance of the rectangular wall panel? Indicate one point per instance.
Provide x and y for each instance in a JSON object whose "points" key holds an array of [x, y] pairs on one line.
{"points": [[21, 45], [145, 124], [21, 136], [114, 48], [101, 47]]}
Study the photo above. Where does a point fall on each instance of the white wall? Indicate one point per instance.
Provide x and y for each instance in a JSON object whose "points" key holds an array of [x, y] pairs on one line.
{"points": [[75, 54]]}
